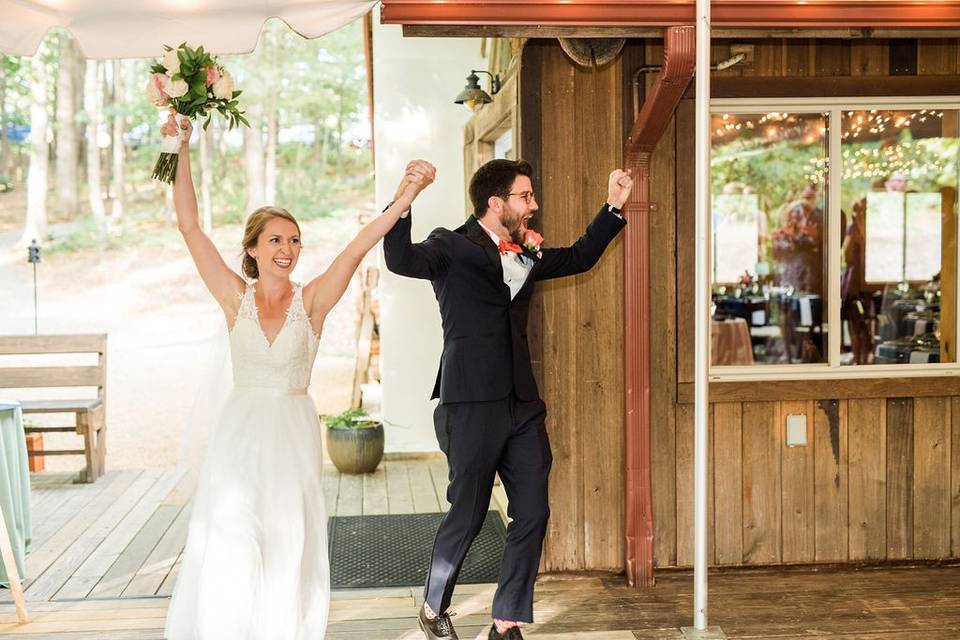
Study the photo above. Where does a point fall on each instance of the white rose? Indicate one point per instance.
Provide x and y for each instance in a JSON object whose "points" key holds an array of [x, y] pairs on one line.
{"points": [[171, 62], [223, 88], [174, 88]]}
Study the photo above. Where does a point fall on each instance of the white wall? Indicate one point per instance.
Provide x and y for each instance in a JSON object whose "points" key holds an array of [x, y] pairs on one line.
{"points": [[415, 81]]}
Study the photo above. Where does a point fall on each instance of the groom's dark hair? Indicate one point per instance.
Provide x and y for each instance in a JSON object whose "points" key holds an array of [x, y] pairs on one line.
{"points": [[495, 178]]}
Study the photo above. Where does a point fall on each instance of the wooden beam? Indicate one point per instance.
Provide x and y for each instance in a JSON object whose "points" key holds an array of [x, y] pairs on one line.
{"points": [[837, 86], [825, 389]]}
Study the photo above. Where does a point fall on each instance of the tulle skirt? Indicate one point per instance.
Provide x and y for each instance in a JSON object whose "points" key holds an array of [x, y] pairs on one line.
{"points": [[255, 563]]}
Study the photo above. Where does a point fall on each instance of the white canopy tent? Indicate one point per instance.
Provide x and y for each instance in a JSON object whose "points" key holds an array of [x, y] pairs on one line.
{"points": [[138, 29]]}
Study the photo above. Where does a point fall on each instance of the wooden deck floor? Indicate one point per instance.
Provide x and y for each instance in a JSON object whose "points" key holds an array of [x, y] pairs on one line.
{"points": [[104, 560]]}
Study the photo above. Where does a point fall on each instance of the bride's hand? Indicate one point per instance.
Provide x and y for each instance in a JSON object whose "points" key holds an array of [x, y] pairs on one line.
{"points": [[170, 128]]}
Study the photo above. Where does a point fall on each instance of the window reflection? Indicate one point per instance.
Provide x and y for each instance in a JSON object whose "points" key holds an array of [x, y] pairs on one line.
{"points": [[769, 238], [898, 281]]}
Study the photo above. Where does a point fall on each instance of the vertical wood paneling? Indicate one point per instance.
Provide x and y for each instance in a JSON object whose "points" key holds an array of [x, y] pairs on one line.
{"points": [[833, 57], [686, 242], [869, 58], [899, 478], [931, 486], [955, 478], [599, 397], [685, 492], [830, 480], [564, 540], [797, 487], [728, 482], [937, 56], [797, 57], [761, 483], [867, 473]]}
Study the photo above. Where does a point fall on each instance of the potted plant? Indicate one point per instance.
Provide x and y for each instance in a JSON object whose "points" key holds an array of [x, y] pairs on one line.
{"points": [[354, 441]]}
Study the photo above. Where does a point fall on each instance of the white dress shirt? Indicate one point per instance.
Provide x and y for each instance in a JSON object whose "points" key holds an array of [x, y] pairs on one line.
{"points": [[516, 266]]}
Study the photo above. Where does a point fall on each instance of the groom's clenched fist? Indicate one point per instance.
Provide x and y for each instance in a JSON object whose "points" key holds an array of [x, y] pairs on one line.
{"points": [[418, 175], [618, 188]]}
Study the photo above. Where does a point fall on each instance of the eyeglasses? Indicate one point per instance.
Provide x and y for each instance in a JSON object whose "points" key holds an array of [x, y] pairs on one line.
{"points": [[527, 196]]}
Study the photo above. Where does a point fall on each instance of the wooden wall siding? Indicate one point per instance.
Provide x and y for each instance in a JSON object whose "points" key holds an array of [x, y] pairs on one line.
{"points": [[877, 481], [880, 477], [574, 145]]}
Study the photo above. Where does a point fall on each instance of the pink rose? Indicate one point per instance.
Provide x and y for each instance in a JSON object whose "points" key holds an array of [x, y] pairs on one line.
{"points": [[155, 92], [213, 74], [532, 240]]}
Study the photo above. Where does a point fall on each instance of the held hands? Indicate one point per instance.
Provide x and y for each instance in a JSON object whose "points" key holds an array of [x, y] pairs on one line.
{"points": [[618, 188], [169, 128], [418, 175]]}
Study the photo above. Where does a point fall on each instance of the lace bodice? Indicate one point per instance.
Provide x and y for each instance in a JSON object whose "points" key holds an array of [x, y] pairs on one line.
{"points": [[285, 364]]}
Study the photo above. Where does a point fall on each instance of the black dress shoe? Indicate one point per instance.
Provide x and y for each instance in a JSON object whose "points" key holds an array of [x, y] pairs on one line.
{"points": [[439, 628], [513, 633]]}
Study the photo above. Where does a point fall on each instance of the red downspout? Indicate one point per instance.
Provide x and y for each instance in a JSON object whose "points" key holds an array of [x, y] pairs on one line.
{"points": [[679, 53]]}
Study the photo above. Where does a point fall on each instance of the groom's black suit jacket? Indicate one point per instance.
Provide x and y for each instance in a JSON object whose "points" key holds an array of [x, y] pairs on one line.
{"points": [[485, 350]]}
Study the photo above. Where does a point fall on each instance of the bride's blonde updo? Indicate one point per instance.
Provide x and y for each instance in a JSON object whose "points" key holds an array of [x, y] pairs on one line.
{"points": [[251, 234]]}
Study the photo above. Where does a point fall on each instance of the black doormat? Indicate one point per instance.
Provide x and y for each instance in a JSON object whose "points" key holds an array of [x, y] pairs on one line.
{"points": [[394, 550]]}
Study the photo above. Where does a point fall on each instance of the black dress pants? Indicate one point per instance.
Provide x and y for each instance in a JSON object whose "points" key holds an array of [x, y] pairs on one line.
{"points": [[481, 439]]}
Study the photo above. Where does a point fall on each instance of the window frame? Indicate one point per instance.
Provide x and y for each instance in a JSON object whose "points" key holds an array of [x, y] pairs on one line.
{"points": [[832, 369]]}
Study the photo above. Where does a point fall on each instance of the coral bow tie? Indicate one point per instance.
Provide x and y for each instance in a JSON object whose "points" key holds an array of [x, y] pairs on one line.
{"points": [[505, 246]]}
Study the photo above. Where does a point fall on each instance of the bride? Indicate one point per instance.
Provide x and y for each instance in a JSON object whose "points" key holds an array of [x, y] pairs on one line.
{"points": [[255, 563]]}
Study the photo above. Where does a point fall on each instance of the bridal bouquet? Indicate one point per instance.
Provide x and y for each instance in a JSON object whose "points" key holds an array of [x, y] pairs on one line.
{"points": [[194, 84]]}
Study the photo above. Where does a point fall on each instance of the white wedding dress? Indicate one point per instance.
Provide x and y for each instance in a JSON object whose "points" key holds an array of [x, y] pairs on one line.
{"points": [[255, 563]]}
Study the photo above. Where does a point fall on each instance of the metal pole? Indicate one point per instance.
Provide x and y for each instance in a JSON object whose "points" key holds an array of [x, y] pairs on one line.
{"points": [[702, 301], [35, 313]]}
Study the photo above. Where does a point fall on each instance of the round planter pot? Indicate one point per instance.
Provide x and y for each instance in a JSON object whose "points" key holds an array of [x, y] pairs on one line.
{"points": [[355, 450]]}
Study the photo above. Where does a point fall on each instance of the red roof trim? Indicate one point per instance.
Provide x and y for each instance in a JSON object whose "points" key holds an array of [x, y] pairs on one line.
{"points": [[666, 13]]}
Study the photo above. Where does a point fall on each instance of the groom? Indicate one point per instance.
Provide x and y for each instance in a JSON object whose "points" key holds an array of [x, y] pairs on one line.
{"points": [[490, 418]]}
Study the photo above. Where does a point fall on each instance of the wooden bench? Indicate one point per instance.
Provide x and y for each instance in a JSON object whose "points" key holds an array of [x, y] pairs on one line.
{"points": [[90, 412]]}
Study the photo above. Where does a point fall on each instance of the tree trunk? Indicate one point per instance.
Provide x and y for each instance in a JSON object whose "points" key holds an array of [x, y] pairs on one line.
{"points": [[270, 188], [4, 152], [92, 104], [67, 140], [36, 223], [324, 136], [253, 161], [206, 178], [116, 177]]}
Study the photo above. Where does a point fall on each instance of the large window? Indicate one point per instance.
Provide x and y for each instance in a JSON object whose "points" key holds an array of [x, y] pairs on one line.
{"points": [[819, 275]]}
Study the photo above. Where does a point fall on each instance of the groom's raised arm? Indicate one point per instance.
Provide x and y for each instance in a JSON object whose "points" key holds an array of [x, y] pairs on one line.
{"points": [[427, 259], [585, 252]]}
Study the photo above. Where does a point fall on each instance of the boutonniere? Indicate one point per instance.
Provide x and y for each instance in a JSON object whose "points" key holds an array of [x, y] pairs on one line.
{"points": [[532, 241]]}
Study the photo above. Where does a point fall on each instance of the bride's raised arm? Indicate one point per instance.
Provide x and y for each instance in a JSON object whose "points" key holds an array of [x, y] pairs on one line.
{"points": [[324, 291], [222, 281]]}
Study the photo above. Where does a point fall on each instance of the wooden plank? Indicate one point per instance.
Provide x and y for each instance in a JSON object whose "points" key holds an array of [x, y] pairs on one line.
{"points": [[375, 492], [955, 478], [350, 500], [838, 389], [98, 563], [931, 488], [563, 545], [832, 57], [761, 483], [686, 242], [60, 571], [833, 86], [69, 500], [869, 58], [421, 485], [66, 532], [600, 400], [899, 478], [797, 487], [439, 474], [331, 488], [938, 56], [76, 343], [26, 377], [166, 588], [151, 575], [112, 582], [728, 482], [59, 406], [830, 480], [866, 433], [685, 488], [399, 497]]}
